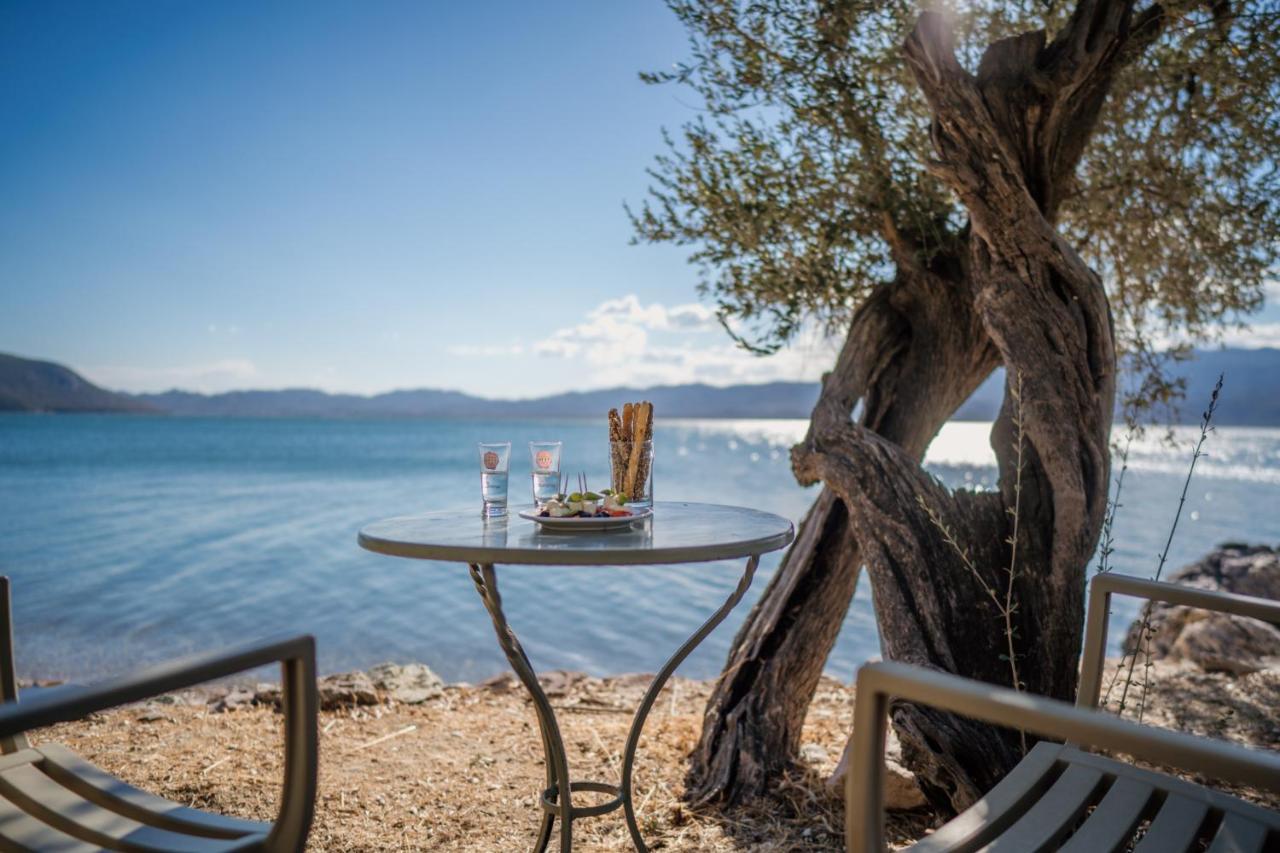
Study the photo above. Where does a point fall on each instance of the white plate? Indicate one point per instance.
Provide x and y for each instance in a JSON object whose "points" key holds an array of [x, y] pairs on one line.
{"points": [[590, 523]]}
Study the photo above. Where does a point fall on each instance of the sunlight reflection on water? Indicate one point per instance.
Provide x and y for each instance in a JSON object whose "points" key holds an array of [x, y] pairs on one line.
{"points": [[136, 538]]}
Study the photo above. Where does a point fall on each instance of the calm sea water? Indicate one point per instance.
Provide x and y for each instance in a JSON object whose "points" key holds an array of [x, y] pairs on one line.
{"points": [[131, 539]]}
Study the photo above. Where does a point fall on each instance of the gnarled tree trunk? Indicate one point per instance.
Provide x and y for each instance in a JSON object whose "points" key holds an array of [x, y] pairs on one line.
{"points": [[1007, 140]]}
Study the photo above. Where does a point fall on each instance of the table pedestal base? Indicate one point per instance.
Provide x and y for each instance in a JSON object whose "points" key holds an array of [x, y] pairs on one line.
{"points": [[556, 800]]}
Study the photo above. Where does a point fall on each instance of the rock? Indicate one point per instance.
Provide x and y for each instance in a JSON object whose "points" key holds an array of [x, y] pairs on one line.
{"points": [[558, 682], [345, 689], [411, 684], [237, 697], [152, 714], [501, 683], [1219, 642], [630, 679], [901, 793], [267, 693], [814, 753], [1225, 643]]}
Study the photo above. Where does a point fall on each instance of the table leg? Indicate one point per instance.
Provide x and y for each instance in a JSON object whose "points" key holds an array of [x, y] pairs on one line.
{"points": [[556, 798], [655, 687], [558, 788]]}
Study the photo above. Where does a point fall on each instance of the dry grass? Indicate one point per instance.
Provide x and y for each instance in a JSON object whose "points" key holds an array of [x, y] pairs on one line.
{"points": [[464, 776]]}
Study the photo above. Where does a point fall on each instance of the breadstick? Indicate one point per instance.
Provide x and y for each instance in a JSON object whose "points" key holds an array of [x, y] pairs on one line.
{"points": [[628, 418], [637, 438], [642, 481], [617, 460]]}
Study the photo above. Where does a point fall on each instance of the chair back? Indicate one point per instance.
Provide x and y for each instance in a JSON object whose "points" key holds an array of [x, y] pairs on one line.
{"points": [[8, 669]]}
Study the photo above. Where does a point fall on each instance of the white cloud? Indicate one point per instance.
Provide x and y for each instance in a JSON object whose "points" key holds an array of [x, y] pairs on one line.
{"points": [[624, 324], [636, 344], [211, 377], [690, 317], [1255, 336]]}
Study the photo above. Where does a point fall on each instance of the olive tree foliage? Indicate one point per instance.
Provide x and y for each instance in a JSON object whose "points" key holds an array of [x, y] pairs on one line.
{"points": [[801, 184], [1051, 186]]}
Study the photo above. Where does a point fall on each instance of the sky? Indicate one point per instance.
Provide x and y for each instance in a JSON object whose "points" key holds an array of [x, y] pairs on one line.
{"points": [[351, 196]]}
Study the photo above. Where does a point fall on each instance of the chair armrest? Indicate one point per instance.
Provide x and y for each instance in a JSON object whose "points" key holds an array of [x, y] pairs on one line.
{"points": [[77, 701], [877, 682], [1105, 585], [297, 655]]}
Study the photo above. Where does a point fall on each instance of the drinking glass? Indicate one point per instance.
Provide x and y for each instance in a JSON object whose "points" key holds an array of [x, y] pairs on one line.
{"points": [[495, 462], [544, 457], [631, 464]]}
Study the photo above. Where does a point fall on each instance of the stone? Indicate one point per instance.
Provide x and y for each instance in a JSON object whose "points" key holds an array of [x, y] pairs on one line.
{"points": [[1219, 642], [558, 682], [345, 689], [503, 682], [410, 684], [237, 697], [813, 753], [152, 714], [267, 693], [901, 793], [1226, 643]]}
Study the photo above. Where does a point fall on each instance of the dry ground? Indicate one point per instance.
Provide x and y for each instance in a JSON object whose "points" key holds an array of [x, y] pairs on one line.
{"points": [[461, 773]]}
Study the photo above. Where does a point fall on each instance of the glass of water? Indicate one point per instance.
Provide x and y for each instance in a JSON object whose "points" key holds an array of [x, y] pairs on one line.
{"points": [[544, 457], [495, 462]]}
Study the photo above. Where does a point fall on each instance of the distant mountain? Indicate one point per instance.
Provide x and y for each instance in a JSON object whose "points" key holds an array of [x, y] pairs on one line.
{"points": [[1251, 397], [771, 400], [42, 386], [1250, 389]]}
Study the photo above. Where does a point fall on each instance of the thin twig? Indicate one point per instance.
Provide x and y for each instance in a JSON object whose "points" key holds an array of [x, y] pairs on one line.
{"points": [[1006, 603], [386, 738], [1145, 632], [218, 763], [1113, 508]]}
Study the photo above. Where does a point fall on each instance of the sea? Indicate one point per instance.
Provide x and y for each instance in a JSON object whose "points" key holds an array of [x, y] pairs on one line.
{"points": [[130, 539]]}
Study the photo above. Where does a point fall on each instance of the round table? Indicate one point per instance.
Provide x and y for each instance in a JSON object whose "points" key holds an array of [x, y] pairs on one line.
{"points": [[676, 533]]}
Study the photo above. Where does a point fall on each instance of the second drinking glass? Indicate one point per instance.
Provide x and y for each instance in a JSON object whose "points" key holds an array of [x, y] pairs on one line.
{"points": [[544, 457]]}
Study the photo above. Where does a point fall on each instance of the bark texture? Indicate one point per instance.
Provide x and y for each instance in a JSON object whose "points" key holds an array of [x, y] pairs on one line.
{"points": [[1007, 139]]}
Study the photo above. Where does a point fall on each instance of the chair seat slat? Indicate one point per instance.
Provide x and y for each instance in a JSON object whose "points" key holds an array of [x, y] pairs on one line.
{"points": [[100, 787], [20, 831], [1113, 822], [986, 818], [1238, 834], [42, 797], [1053, 815], [1175, 827]]}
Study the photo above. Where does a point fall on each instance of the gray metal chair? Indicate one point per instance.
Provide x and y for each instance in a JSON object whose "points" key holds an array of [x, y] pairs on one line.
{"points": [[1061, 797], [53, 800]]}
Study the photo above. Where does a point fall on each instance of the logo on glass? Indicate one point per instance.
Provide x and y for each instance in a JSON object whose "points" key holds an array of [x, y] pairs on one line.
{"points": [[543, 460], [490, 460]]}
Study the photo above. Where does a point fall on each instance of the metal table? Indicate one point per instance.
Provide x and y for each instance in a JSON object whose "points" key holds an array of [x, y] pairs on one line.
{"points": [[677, 533]]}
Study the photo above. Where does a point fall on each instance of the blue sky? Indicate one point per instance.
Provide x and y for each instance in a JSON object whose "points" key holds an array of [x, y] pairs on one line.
{"points": [[352, 196]]}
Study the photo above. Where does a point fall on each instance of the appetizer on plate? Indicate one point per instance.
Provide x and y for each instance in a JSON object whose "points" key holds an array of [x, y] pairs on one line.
{"points": [[585, 503]]}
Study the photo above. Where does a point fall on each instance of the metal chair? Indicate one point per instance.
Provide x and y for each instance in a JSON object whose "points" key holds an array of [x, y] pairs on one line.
{"points": [[53, 800], [1060, 796]]}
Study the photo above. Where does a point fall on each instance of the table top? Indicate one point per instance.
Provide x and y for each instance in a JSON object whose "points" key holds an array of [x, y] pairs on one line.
{"points": [[676, 533]]}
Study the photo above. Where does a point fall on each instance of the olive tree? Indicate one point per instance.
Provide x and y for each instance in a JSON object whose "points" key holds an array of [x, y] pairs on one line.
{"points": [[1071, 191]]}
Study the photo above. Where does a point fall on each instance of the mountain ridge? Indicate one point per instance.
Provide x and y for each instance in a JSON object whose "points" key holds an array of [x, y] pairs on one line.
{"points": [[1251, 396], [32, 385]]}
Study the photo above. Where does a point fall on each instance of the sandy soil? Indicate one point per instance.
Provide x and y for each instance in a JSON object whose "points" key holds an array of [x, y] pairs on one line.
{"points": [[461, 772]]}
